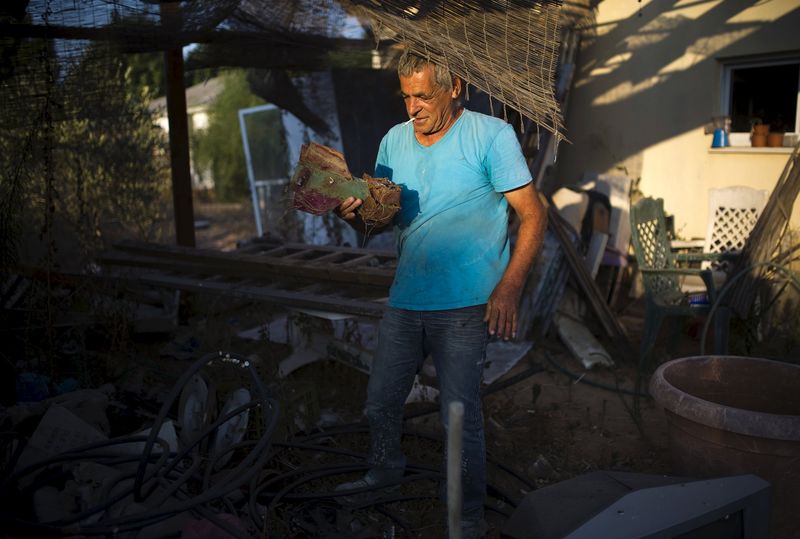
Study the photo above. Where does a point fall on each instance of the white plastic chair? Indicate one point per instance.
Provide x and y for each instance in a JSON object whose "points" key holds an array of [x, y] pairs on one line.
{"points": [[732, 214]]}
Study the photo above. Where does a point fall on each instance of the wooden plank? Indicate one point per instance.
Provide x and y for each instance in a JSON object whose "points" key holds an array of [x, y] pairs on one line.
{"points": [[282, 49], [359, 260], [331, 257], [605, 315], [178, 133], [282, 251], [326, 299], [764, 242], [305, 255], [251, 248], [336, 249], [290, 299], [121, 262], [225, 262]]}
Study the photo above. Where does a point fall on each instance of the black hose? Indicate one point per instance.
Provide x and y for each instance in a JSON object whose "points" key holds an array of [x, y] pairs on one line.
{"points": [[582, 379], [159, 469]]}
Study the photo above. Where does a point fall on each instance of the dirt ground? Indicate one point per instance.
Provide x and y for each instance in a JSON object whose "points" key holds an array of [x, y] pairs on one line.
{"points": [[547, 427], [227, 223], [555, 423]]}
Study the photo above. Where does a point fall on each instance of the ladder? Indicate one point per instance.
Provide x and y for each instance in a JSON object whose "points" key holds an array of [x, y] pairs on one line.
{"points": [[340, 279]]}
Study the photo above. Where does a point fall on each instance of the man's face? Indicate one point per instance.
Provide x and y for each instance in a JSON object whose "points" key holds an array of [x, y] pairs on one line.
{"points": [[433, 107]]}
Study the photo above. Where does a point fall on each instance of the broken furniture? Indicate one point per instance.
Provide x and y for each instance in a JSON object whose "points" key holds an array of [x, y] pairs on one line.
{"points": [[586, 220], [79, 481], [604, 198], [339, 290], [570, 212], [662, 276], [617, 189], [613, 268], [340, 279], [329, 286]]}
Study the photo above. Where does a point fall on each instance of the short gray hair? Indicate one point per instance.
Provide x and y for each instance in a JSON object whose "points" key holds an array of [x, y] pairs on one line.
{"points": [[411, 63]]}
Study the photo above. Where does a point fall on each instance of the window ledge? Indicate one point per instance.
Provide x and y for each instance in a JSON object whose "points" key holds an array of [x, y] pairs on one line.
{"points": [[750, 149]]}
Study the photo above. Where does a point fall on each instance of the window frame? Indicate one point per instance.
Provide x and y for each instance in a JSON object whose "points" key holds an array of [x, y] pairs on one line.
{"points": [[728, 66]]}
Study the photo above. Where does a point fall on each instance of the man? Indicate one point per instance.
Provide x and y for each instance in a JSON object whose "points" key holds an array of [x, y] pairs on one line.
{"points": [[456, 282]]}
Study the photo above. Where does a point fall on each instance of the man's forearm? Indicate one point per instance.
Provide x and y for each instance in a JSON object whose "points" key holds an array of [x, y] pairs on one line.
{"points": [[530, 236]]}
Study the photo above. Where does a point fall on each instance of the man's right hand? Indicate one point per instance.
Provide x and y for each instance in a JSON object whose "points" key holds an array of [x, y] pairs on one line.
{"points": [[347, 209]]}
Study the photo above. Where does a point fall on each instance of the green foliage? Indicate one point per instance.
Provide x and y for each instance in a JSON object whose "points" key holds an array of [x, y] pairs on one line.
{"points": [[219, 148], [112, 155], [146, 72], [23, 90], [196, 75], [81, 154]]}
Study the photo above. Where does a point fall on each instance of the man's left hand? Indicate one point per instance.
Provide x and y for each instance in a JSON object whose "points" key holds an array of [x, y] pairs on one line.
{"points": [[502, 311]]}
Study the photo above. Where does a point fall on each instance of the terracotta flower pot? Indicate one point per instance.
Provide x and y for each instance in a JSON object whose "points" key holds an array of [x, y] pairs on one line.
{"points": [[775, 140], [758, 141], [761, 129]]}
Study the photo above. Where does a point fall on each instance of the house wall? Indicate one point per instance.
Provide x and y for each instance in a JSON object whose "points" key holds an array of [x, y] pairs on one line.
{"points": [[647, 84]]}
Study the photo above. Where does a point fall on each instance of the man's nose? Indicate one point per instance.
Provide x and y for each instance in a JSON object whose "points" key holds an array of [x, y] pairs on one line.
{"points": [[412, 106]]}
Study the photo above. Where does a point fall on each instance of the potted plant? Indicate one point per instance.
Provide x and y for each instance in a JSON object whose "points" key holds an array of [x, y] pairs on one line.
{"points": [[775, 136], [760, 132]]}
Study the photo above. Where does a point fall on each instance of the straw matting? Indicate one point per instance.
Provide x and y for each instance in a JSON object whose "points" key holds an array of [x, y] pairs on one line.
{"points": [[506, 48]]}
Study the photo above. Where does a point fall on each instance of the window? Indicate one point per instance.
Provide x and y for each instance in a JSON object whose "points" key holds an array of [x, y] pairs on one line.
{"points": [[766, 91]]}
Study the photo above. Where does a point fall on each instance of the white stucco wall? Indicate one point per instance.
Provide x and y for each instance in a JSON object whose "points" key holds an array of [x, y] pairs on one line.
{"points": [[646, 85]]}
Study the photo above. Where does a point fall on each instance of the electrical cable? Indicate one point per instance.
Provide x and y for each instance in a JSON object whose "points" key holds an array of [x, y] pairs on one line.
{"points": [[363, 429], [163, 478], [582, 379], [155, 469], [494, 387]]}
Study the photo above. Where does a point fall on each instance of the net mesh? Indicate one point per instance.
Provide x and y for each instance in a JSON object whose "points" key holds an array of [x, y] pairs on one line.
{"points": [[507, 48], [74, 120]]}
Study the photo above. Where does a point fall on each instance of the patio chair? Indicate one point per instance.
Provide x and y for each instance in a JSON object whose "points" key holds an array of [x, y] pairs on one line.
{"points": [[662, 276], [732, 214]]}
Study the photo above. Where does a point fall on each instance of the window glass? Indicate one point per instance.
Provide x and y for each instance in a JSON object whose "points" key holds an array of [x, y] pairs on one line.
{"points": [[764, 94]]}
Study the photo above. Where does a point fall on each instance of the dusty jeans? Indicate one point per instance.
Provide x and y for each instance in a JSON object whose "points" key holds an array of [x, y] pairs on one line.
{"points": [[456, 339]]}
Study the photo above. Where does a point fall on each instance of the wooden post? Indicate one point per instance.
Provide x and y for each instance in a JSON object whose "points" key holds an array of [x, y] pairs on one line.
{"points": [[178, 133], [455, 442]]}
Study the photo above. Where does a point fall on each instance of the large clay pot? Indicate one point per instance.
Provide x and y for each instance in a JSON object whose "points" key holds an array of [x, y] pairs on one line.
{"points": [[758, 141], [731, 415]]}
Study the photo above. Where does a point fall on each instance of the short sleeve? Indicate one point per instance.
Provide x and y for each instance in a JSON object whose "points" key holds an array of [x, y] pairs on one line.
{"points": [[382, 169], [504, 162]]}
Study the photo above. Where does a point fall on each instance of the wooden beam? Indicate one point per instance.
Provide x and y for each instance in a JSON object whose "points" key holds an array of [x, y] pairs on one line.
{"points": [[252, 264], [178, 135], [277, 48]]}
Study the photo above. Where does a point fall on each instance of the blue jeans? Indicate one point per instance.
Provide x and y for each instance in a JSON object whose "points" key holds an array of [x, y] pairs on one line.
{"points": [[457, 341]]}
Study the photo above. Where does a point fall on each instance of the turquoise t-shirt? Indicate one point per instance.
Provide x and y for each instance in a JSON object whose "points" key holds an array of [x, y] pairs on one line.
{"points": [[452, 229]]}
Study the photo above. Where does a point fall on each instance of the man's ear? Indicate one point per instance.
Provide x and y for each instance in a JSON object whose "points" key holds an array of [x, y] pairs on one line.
{"points": [[456, 87]]}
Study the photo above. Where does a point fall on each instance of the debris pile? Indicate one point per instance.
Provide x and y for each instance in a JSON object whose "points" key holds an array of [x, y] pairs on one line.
{"points": [[71, 479], [214, 462]]}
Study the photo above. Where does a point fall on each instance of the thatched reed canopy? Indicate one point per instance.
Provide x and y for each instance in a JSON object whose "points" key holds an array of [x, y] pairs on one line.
{"points": [[506, 48]]}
